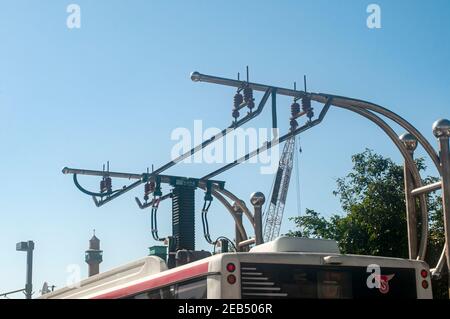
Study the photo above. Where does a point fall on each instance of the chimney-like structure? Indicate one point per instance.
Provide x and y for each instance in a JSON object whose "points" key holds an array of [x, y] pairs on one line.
{"points": [[94, 256]]}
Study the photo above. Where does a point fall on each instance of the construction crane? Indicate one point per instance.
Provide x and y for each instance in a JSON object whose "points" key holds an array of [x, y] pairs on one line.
{"points": [[274, 213]]}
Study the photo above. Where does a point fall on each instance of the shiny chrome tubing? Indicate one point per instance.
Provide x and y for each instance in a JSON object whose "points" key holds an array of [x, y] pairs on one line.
{"points": [[198, 77], [67, 170], [427, 189]]}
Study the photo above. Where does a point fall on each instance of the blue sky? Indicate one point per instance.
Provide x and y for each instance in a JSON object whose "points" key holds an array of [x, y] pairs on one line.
{"points": [[116, 88]]}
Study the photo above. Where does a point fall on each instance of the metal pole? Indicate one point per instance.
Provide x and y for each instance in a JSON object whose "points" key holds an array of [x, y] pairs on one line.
{"points": [[410, 143], [257, 199], [29, 283], [198, 77], [441, 129], [247, 242], [427, 189], [274, 109], [238, 214]]}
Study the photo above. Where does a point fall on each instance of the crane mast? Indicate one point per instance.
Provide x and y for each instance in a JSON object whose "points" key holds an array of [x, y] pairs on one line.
{"points": [[274, 214]]}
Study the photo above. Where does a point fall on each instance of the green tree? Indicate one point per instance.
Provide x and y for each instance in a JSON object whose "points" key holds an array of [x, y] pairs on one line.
{"points": [[374, 220]]}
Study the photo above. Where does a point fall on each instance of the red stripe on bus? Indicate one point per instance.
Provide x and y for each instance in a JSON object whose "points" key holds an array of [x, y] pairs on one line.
{"points": [[161, 281]]}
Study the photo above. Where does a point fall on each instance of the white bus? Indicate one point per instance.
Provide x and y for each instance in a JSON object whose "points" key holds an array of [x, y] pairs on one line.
{"points": [[295, 268]]}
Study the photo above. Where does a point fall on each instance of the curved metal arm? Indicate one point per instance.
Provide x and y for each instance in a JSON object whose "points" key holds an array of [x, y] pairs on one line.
{"points": [[118, 193], [411, 167], [150, 204], [322, 98], [346, 101], [436, 272], [94, 194]]}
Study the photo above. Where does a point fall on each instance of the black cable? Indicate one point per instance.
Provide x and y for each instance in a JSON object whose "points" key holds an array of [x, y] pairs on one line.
{"points": [[205, 224], [227, 239], [154, 222]]}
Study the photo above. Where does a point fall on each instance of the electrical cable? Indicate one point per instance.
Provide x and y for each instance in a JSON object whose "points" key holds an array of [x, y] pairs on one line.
{"points": [[154, 224], [227, 239]]}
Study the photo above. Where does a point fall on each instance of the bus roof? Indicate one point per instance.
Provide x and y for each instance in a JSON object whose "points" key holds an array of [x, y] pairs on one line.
{"points": [[112, 278], [117, 282]]}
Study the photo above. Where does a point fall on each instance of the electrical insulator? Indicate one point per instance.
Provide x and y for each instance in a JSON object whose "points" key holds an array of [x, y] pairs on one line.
{"points": [[157, 191], [102, 186], [251, 104], [237, 100], [295, 109], [306, 107], [294, 124], [248, 97], [235, 113], [148, 189], [306, 104], [108, 184]]}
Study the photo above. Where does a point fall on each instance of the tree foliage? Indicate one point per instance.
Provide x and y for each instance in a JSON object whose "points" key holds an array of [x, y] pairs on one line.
{"points": [[374, 220]]}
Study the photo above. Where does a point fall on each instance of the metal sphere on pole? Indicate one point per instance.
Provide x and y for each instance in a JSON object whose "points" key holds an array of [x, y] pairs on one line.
{"points": [[410, 141], [258, 199]]}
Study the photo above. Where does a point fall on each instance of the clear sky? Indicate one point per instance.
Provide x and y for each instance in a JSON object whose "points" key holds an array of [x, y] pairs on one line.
{"points": [[117, 87]]}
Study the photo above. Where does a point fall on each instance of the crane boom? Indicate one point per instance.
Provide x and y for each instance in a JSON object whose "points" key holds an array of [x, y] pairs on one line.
{"points": [[274, 214]]}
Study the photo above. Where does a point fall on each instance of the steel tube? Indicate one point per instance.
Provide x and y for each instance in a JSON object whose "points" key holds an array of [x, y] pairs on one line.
{"points": [[123, 191], [237, 221], [237, 232], [247, 242], [426, 189], [322, 98], [442, 132], [258, 225], [198, 77], [238, 202], [258, 199], [411, 166], [67, 170], [274, 109], [410, 143], [436, 272], [345, 101], [411, 218]]}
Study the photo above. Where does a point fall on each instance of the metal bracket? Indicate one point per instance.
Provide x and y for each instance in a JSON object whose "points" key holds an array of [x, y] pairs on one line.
{"points": [[150, 204]]}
